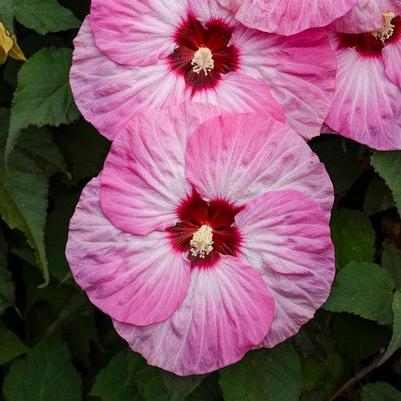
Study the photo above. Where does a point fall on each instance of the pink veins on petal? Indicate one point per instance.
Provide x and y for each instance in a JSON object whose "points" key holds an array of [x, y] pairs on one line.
{"points": [[203, 52]]}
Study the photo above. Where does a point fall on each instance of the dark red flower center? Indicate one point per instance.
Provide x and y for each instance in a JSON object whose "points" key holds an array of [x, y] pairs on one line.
{"points": [[371, 44], [206, 230], [203, 53]]}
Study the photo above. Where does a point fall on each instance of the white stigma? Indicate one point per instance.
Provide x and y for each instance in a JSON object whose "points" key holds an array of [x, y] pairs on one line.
{"points": [[387, 31], [202, 61], [201, 242]]}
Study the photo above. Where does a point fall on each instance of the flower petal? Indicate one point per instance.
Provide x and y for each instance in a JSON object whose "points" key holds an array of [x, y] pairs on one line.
{"points": [[227, 312], [137, 280], [391, 57], [109, 95], [143, 181], [366, 16], [239, 157], [367, 105], [136, 33], [300, 70], [287, 17], [286, 237], [240, 93]]}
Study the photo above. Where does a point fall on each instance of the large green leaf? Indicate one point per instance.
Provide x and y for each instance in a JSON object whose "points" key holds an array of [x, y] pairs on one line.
{"points": [[395, 342], [43, 95], [388, 166], [148, 379], [264, 375], [179, 387], [7, 290], [7, 14], [45, 374], [391, 261], [23, 198], [380, 392], [353, 237], [378, 197], [44, 16], [11, 346], [113, 382], [364, 289]]}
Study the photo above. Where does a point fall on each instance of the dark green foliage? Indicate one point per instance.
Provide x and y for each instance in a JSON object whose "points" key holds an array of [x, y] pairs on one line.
{"points": [[54, 345]]}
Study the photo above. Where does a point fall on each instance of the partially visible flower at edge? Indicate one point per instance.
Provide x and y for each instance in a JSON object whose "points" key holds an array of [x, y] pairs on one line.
{"points": [[204, 245], [367, 106], [9, 46]]}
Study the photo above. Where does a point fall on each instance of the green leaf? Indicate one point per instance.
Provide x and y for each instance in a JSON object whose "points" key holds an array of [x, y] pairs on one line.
{"points": [[353, 237], [180, 387], [112, 383], [264, 375], [45, 374], [38, 143], [391, 261], [364, 289], [378, 197], [352, 345], [23, 199], [43, 95], [388, 166], [380, 392], [44, 16], [395, 342], [11, 346], [7, 14], [7, 290], [148, 379]]}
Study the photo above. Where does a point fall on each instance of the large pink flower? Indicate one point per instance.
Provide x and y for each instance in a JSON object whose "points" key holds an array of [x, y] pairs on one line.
{"points": [[134, 55], [367, 106], [287, 17], [203, 245]]}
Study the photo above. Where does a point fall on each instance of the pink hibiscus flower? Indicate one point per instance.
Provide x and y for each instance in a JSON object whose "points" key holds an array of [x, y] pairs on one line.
{"points": [[367, 106], [203, 241], [287, 17], [134, 55]]}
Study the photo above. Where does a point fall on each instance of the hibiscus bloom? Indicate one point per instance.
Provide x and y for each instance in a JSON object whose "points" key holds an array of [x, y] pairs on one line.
{"points": [[367, 105], [203, 241], [287, 17], [132, 55]]}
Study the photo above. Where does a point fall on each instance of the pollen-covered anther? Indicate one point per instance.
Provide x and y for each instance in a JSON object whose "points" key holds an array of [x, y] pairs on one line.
{"points": [[202, 242], [202, 61], [387, 31]]}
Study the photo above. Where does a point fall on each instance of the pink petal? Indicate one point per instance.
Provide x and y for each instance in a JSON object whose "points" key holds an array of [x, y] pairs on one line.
{"points": [[392, 57], [136, 33], [366, 16], [287, 17], [367, 105], [286, 237], [205, 10], [239, 157], [240, 93], [227, 312], [300, 70], [137, 280], [143, 181], [109, 95]]}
